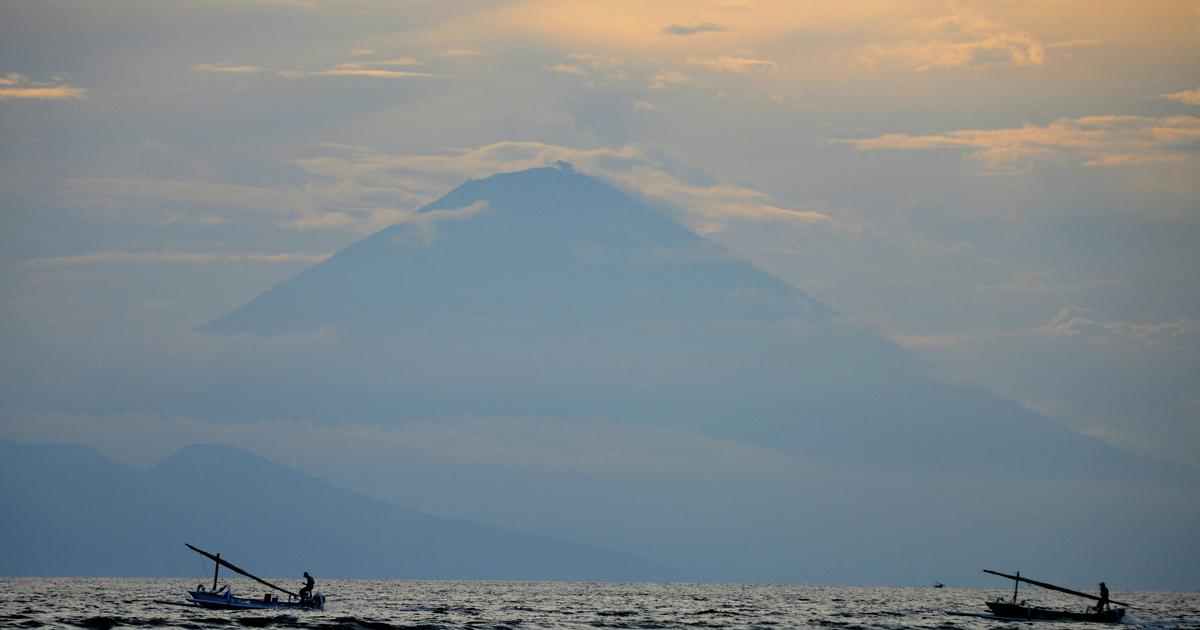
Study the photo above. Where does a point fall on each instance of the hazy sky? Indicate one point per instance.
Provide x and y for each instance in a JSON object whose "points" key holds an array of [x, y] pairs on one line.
{"points": [[1010, 189]]}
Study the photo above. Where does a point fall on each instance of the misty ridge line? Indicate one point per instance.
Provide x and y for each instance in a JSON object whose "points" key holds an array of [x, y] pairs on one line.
{"points": [[171, 500]]}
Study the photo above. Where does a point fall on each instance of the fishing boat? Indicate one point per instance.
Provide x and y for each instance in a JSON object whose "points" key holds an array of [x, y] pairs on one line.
{"points": [[224, 599], [1014, 609]]}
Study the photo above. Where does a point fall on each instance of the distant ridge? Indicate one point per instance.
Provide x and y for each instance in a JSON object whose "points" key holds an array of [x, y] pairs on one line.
{"points": [[70, 511]]}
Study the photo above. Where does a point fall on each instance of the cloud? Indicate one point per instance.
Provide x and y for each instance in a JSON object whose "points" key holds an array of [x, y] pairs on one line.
{"points": [[119, 257], [566, 68], [704, 207], [425, 224], [323, 221], [959, 41], [693, 29], [377, 69], [1189, 97], [600, 70], [667, 79], [1074, 43], [330, 200], [595, 61], [18, 86], [133, 192], [645, 106], [399, 61], [1080, 323], [1074, 321], [740, 65], [358, 70], [462, 52], [1094, 140], [203, 219], [228, 68]]}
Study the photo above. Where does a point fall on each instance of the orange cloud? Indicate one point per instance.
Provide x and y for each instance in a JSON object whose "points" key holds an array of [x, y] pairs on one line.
{"points": [[740, 65], [378, 73], [566, 68], [1190, 97], [227, 68], [17, 86], [1096, 140], [961, 41], [706, 208]]}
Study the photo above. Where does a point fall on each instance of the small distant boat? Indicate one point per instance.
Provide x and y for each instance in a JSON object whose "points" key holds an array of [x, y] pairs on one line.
{"points": [[1012, 609], [938, 585], [224, 599]]}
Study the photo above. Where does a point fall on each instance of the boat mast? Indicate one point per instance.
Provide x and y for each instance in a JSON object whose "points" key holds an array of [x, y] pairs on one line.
{"points": [[1051, 587], [216, 571], [236, 569], [1016, 583]]}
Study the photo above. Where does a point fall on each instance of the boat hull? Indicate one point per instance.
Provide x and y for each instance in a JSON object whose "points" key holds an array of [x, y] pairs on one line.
{"points": [[1016, 611], [227, 601]]}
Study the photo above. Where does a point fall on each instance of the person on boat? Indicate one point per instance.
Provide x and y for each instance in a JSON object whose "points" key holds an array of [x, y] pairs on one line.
{"points": [[1102, 605], [309, 583]]}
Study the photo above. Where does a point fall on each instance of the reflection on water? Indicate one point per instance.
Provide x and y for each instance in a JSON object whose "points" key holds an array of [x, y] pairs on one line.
{"points": [[101, 604]]}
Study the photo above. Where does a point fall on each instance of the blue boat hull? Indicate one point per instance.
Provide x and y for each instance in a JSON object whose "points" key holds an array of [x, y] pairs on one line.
{"points": [[228, 601], [1016, 611]]}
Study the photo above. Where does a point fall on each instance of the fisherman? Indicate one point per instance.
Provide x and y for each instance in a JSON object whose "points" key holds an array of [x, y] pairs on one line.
{"points": [[1102, 605], [309, 583]]}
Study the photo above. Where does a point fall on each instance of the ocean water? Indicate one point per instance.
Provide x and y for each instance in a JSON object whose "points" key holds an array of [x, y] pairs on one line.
{"points": [[100, 604]]}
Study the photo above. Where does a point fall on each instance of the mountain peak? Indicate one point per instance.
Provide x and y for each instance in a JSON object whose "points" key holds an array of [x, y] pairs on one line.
{"points": [[546, 244], [216, 462], [559, 185]]}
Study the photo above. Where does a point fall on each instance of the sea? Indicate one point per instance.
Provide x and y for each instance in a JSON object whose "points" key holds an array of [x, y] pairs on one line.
{"points": [[104, 603]]}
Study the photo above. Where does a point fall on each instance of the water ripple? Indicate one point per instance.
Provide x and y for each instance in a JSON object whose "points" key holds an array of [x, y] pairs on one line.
{"points": [[103, 604]]}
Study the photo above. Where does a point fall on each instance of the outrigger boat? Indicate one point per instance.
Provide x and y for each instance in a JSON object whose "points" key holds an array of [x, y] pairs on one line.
{"points": [[224, 599], [1011, 609]]}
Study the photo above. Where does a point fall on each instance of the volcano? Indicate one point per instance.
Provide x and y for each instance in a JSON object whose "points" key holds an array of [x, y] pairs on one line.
{"points": [[548, 293]]}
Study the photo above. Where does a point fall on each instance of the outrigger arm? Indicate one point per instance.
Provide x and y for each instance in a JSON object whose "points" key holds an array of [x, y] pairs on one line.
{"points": [[1052, 587], [236, 569]]}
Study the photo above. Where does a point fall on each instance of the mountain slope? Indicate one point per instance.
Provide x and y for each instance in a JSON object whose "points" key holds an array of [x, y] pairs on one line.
{"points": [[548, 293]]}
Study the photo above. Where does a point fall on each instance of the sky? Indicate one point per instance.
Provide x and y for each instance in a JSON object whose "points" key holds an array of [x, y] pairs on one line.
{"points": [[1010, 190]]}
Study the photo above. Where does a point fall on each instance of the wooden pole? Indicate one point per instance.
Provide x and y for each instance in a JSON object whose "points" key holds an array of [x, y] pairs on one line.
{"points": [[1053, 587], [236, 569], [216, 572]]}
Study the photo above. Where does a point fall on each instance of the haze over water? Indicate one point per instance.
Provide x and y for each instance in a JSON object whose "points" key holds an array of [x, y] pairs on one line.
{"points": [[101, 604]]}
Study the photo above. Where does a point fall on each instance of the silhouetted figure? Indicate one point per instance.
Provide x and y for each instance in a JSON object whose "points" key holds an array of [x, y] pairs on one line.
{"points": [[309, 583], [1102, 605]]}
